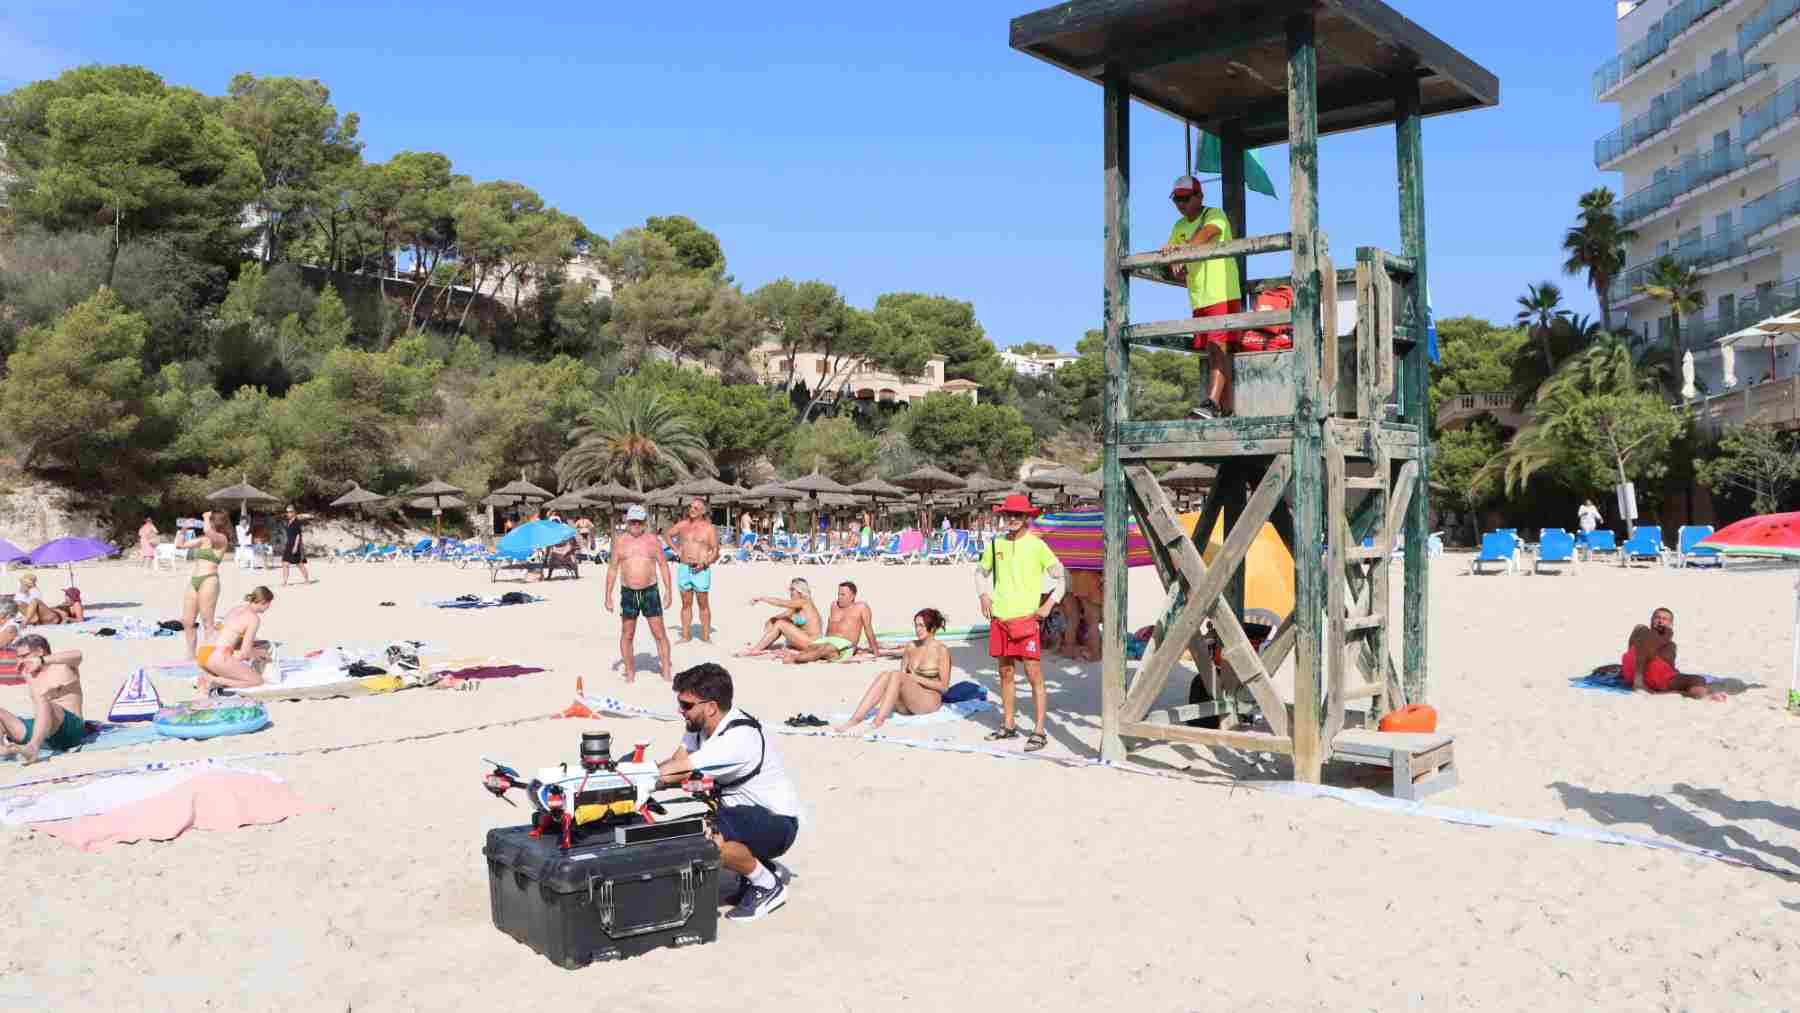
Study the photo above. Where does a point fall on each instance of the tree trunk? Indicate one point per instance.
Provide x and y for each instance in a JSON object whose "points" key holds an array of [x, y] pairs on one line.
{"points": [[1601, 285], [474, 294], [112, 252]]}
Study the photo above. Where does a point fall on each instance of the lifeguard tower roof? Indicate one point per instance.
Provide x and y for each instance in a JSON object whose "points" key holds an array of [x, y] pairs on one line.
{"points": [[1222, 64]]}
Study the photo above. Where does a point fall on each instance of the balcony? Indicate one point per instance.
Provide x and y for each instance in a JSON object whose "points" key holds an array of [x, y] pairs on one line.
{"points": [[1663, 33], [1705, 253], [1770, 213], [1692, 175], [1668, 108], [1765, 22], [1773, 114], [1751, 306], [1776, 402], [1458, 410]]}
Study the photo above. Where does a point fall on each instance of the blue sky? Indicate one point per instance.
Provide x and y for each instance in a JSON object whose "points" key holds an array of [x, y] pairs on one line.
{"points": [[878, 147]]}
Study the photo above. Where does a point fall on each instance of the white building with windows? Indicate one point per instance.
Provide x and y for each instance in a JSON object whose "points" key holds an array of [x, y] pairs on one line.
{"points": [[1709, 147], [1035, 365]]}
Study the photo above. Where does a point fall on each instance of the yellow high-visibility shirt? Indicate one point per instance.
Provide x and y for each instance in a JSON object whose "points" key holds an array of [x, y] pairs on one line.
{"points": [[1209, 282]]}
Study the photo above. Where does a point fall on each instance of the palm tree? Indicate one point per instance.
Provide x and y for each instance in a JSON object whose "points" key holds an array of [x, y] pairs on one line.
{"points": [[1541, 310], [1596, 245], [634, 435], [1678, 285]]}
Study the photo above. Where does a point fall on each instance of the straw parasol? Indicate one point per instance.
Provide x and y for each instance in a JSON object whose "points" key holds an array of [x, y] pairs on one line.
{"points": [[982, 485], [524, 490], [570, 501], [814, 483], [876, 489], [359, 498], [436, 504], [705, 487], [610, 492], [437, 490], [930, 479], [1190, 477], [242, 493], [1056, 478]]}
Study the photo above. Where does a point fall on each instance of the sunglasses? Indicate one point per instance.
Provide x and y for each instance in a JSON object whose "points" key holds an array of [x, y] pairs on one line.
{"points": [[687, 705], [1182, 198]]}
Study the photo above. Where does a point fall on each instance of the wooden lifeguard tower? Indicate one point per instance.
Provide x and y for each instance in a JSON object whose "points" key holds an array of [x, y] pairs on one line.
{"points": [[1331, 441]]}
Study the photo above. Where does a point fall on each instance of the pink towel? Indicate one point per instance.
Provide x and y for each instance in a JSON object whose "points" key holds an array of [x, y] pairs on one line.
{"points": [[221, 801]]}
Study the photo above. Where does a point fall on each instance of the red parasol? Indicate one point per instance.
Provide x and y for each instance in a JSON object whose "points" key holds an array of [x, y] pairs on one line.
{"points": [[1776, 535]]}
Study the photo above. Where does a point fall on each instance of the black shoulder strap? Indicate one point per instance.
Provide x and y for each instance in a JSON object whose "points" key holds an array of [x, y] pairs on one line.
{"points": [[762, 752]]}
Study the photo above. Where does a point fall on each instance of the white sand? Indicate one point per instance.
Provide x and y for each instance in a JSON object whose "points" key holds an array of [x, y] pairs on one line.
{"points": [[933, 880]]}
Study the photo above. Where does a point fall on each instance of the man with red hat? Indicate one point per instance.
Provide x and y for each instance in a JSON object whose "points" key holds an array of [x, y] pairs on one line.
{"points": [[1010, 577], [1214, 289]]}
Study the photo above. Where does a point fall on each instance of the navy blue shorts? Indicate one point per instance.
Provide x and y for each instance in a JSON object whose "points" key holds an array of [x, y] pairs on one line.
{"points": [[767, 835], [644, 601]]}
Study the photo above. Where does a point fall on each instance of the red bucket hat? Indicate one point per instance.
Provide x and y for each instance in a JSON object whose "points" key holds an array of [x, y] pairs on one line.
{"points": [[1017, 504]]}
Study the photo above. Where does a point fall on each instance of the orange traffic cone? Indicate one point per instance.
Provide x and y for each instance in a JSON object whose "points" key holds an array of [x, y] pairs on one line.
{"points": [[578, 709]]}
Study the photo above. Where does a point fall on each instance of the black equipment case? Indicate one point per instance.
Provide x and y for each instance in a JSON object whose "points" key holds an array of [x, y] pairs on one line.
{"points": [[603, 899]]}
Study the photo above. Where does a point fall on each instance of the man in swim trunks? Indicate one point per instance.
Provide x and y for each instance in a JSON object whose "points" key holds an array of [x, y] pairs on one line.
{"points": [[1649, 661], [696, 542], [637, 556], [850, 621], [55, 696]]}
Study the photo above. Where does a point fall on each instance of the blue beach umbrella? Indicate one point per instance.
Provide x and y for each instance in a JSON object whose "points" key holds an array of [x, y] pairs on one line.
{"points": [[528, 538]]}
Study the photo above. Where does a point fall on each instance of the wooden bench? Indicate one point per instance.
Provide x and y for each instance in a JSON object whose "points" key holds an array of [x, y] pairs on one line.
{"points": [[1423, 764]]}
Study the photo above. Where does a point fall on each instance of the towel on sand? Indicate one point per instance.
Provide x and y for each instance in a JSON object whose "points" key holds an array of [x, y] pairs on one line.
{"points": [[1606, 678], [470, 601], [104, 736], [943, 715], [216, 800], [104, 795]]}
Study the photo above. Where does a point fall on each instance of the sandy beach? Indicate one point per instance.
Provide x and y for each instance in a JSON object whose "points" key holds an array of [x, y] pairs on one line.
{"points": [[941, 880]]}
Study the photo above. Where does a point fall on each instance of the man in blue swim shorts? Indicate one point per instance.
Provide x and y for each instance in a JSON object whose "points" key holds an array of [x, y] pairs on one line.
{"points": [[637, 558], [696, 542]]}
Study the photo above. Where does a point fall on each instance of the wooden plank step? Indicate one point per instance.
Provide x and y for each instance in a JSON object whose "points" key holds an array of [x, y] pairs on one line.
{"points": [[1356, 623], [1258, 741], [1364, 692], [1364, 553], [1422, 763], [1375, 482], [1246, 247], [1185, 327]]}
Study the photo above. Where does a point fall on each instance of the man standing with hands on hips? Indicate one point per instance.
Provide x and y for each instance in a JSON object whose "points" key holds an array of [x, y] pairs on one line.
{"points": [[1010, 578]]}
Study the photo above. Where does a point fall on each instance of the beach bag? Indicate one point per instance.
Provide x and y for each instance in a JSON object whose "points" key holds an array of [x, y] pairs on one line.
{"points": [[1271, 339], [135, 701]]}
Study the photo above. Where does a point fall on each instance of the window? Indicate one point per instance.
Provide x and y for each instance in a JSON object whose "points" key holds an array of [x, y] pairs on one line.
{"points": [[1722, 224], [1722, 139], [1727, 307]]}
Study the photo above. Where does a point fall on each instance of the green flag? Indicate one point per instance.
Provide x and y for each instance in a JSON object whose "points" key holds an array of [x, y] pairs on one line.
{"points": [[1254, 175]]}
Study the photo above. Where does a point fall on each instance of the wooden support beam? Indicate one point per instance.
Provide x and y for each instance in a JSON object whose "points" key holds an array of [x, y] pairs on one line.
{"points": [[1184, 328], [1153, 674], [1211, 38], [1328, 331], [1115, 405], [1410, 155], [1249, 246], [1233, 191], [1227, 430], [1337, 540], [1262, 742], [1303, 224], [1203, 449]]}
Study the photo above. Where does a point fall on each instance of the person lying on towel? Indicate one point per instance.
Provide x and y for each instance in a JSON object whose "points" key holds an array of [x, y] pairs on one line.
{"points": [[56, 700], [850, 622], [1649, 660]]}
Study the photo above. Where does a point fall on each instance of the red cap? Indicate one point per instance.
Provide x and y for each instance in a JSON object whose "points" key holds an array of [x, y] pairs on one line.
{"points": [[1017, 504]]}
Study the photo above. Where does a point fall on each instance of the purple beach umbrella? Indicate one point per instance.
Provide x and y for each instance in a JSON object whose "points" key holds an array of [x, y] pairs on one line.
{"points": [[10, 553], [69, 551]]}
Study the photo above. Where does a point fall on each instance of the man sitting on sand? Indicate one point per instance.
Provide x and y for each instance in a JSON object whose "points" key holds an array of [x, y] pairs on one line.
{"points": [[1649, 661], [56, 700], [850, 622], [797, 624], [637, 557]]}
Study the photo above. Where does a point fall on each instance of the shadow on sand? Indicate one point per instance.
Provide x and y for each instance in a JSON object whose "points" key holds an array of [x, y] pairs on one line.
{"points": [[1669, 818]]}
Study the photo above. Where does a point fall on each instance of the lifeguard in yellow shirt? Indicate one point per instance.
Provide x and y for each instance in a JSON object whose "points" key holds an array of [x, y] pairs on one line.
{"points": [[1214, 289]]}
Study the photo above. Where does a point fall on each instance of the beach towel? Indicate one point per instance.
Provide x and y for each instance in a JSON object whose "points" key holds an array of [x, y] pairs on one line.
{"points": [[1607, 679], [471, 601], [490, 672], [101, 796], [943, 715], [215, 800], [105, 736]]}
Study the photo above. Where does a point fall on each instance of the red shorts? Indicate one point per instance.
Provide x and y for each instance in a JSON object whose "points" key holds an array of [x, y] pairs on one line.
{"points": [[1659, 679], [1002, 645], [1231, 340]]}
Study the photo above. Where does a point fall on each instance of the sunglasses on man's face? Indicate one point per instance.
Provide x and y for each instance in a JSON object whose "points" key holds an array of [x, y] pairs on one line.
{"points": [[687, 705]]}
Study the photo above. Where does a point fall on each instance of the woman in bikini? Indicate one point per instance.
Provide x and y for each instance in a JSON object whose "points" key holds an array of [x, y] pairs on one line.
{"points": [[33, 609], [56, 702], [201, 602], [228, 661], [11, 628], [918, 686], [797, 622]]}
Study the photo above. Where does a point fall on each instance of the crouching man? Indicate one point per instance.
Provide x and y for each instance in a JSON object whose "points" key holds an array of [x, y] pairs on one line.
{"points": [[759, 809]]}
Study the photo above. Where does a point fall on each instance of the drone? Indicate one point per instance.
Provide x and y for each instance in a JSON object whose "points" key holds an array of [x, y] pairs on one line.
{"points": [[598, 793]]}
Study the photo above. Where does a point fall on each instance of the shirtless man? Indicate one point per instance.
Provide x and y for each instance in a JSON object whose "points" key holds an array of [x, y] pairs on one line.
{"points": [[637, 556], [1649, 661], [797, 623], [696, 542], [235, 658], [55, 696], [850, 621]]}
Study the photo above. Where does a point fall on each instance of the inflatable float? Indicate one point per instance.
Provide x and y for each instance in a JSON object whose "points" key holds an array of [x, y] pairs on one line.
{"points": [[208, 719]]}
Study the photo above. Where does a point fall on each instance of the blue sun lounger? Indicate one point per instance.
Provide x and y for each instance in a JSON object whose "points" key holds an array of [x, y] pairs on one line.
{"points": [[1497, 547]]}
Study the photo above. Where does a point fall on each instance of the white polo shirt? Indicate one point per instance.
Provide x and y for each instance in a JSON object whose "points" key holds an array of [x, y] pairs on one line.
{"points": [[732, 754]]}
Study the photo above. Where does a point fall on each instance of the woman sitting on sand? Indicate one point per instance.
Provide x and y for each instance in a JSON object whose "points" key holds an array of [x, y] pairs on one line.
{"points": [[917, 686], [33, 610], [11, 628], [232, 660], [797, 622], [201, 602]]}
